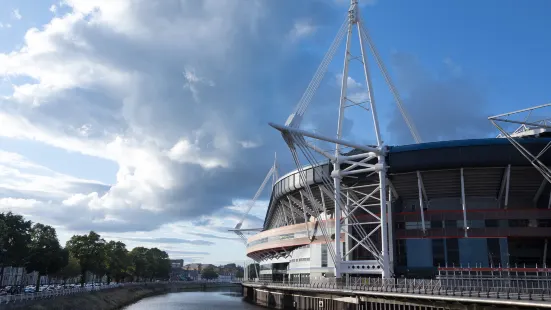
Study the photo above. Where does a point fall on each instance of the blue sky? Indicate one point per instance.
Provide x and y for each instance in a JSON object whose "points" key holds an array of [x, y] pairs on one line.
{"points": [[147, 121]]}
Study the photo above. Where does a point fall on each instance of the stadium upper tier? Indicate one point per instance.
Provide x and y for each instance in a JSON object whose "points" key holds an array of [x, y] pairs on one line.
{"points": [[485, 163]]}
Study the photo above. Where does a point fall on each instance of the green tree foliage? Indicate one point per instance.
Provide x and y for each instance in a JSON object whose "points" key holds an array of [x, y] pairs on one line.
{"points": [[14, 248], [3, 231], [239, 273], [138, 259], [45, 254], [37, 248], [117, 260], [60, 263], [209, 273], [147, 264], [90, 252], [71, 269], [158, 263]]}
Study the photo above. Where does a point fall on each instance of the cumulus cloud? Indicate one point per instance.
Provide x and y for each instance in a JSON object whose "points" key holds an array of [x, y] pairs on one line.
{"points": [[443, 106], [177, 93], [26, 186]]}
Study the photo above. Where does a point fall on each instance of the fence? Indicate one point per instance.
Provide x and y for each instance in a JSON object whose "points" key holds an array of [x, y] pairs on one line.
{"points": [[520, 288], [62, 292]]}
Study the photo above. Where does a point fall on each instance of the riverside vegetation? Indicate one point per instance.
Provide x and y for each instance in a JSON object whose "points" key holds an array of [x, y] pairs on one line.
{"points": [[36, 247]]}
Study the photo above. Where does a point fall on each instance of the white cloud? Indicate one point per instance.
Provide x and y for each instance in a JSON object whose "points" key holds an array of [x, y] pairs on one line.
{"points": [[351, 83], [301, 29], [2, 25], [53, 8], [162, 88], [177, 94], [15, 14]]}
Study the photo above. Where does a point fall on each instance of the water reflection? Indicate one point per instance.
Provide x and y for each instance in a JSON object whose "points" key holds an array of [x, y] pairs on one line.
{"points": [[226, 299]]}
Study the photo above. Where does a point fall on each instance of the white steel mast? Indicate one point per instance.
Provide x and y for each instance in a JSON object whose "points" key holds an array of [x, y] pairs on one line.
{"points": [[367, 162]]}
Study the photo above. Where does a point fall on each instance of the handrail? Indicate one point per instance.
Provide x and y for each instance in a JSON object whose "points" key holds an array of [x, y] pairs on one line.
{"points": [[538, 289], [5, 299]]}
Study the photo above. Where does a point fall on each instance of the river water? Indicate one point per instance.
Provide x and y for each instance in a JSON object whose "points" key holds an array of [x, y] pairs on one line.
{"points": [[219, 299]]}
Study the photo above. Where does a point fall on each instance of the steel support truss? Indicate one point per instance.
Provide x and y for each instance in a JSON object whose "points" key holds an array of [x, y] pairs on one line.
{"points": [[360, 210], [526, 128]]}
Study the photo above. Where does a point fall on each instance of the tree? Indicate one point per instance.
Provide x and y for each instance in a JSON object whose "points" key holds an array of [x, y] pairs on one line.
{"points": [[158, 263], [209, 273], [46, 255], [71, 269], [239, 274], [116, 260], [139, 263], [61, 262], [90, 253], [14, 246], [3, 231]]}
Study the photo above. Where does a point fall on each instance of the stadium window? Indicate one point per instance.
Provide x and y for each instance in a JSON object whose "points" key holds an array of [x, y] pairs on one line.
{"points": [[544, 223], [450, 224], [436, 224], [475, 223], [491, 223], [287, 236], [518, 223], [323, 255]]}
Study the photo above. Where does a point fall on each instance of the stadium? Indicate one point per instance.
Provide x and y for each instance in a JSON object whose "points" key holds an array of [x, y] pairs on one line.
{"points": [[416, 211], [503, 220]]}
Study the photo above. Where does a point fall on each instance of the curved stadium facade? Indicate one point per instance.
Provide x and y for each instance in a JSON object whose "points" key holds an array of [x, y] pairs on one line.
{"points": [[476, 203]]}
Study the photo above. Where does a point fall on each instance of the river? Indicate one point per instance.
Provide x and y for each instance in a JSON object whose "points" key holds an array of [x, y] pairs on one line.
{"points": [[220, 299]]}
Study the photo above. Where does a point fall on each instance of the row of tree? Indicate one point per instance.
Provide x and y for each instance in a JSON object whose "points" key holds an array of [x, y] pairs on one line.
{"points": [[37, 248]]}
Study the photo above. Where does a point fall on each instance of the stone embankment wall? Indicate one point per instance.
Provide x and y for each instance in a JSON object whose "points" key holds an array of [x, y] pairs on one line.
{"points": [[110, 299]]}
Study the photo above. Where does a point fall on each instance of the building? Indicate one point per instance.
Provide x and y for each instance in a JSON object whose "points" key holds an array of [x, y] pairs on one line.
{"points": [[177, 272], [177, 263], [470, 203]]}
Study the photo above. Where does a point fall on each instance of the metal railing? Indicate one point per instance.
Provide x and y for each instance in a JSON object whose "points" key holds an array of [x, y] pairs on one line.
{"points": [[498, 288], [6, 299]]}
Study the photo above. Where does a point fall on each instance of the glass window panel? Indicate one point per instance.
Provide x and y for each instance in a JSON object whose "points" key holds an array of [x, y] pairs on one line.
{"points": [[323, 255]]}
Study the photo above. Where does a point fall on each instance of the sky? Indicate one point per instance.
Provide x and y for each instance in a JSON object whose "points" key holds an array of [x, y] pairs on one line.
{"points": [[147, 121]]}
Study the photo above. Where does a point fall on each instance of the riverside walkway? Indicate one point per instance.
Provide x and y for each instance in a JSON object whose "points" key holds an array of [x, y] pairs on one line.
{"points": [[52, 294], [396, 293]]}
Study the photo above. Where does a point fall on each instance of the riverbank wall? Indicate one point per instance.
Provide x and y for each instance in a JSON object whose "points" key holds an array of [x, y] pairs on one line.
{"points": [[112, 299], [309, 298]]}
